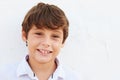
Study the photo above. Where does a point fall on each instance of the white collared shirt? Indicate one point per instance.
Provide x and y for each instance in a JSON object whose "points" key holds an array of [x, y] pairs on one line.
{"points": [[22, 71]]}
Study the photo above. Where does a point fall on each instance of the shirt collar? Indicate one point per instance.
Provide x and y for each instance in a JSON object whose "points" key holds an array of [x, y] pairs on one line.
{"points": [[59, 72], [25, 70]]}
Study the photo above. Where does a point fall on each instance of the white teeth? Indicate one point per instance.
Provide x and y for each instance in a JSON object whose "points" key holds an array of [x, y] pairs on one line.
{"points": [[45, 51]]}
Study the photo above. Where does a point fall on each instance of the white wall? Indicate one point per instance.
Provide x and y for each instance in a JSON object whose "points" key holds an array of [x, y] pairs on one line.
{"points": [[93, 46]]}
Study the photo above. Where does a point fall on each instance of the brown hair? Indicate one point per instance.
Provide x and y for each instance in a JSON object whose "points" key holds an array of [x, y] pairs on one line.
{"points": [[48, 16]]}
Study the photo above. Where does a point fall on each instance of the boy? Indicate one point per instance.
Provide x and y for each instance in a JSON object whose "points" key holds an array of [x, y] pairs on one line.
{"points": [[44, 29]]}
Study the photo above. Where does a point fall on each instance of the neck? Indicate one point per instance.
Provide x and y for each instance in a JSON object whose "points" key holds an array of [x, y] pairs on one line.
{"points": [[42, 69]]}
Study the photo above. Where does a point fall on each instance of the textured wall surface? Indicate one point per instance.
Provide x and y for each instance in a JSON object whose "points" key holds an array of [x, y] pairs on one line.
{"points": [[93, 46]]}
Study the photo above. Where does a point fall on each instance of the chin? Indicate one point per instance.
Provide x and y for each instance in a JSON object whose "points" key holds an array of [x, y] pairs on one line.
{"points": [[43, 60]]}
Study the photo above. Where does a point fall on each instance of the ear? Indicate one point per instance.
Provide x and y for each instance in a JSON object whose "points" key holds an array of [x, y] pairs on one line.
{"points": [[62, 45], [24, 38]]}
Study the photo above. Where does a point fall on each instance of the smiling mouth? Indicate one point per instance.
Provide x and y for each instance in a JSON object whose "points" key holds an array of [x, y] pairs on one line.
{"points": [[44, 52]]}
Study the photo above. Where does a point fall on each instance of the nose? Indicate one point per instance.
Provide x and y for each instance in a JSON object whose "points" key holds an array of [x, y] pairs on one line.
{"points": [[46, 42]]}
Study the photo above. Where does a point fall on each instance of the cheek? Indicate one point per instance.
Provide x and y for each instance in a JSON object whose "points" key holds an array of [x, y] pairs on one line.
{"points": [[57, 43], [32, 43], [57, 46]]}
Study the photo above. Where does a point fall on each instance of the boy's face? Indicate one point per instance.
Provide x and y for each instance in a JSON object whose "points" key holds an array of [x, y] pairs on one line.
{"points": [[43, 44]]}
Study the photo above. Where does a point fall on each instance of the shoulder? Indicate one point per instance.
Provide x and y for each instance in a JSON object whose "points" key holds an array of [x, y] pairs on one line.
{"points": [[67, 72]]}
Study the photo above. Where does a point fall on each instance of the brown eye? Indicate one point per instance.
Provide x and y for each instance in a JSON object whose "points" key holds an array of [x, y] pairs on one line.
{"points": [[38, 33], [56, 36]]}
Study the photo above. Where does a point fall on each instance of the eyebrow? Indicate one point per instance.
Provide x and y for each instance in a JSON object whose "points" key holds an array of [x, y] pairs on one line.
{"points": [[58, 31], [55, 30]]}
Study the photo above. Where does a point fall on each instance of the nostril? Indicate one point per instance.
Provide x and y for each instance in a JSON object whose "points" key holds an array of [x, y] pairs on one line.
{"points": [[46, 45], [38, 50], [50, 52]]}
